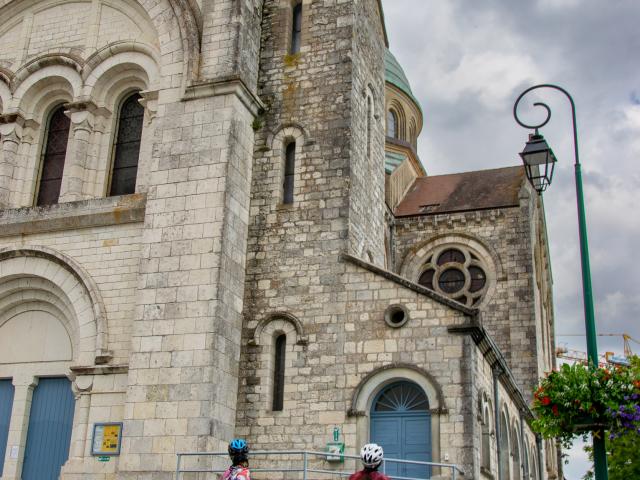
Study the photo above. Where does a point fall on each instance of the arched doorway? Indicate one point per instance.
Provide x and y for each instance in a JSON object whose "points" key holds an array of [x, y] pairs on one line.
{"points": [[401, 424]]}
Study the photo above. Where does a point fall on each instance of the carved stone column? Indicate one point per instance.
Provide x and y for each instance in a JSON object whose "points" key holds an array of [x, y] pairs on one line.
{"points": [[18, 425], [11, 132], [82, 387], [149, 101], [98, 155], [82, 122]]}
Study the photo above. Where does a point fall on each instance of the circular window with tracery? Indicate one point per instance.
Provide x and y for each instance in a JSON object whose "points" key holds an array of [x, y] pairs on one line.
{"points": [[456, 273]]}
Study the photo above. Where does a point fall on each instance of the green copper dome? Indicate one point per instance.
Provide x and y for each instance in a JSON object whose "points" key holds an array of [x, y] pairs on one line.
{"points": [[394, 74]]}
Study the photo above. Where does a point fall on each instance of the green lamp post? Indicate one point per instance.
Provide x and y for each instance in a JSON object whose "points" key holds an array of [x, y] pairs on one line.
{"points": [[539, 162]]}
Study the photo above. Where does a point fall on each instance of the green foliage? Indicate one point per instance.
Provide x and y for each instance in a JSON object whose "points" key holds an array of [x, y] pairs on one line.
{"points": [[622, 457]]}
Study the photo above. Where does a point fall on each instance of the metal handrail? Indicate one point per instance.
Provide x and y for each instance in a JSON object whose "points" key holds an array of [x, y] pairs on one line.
{"points": [[305, 470]]}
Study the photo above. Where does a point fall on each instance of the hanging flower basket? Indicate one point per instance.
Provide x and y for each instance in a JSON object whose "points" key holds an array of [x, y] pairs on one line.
{"points": [[577, 399]]}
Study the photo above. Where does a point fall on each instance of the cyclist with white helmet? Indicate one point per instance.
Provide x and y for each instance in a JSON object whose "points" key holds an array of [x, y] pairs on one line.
{"points": [[239, 453], [371, 455]]}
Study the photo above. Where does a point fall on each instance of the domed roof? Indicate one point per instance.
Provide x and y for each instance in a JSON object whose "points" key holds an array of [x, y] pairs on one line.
{"points": [[394, 74]]}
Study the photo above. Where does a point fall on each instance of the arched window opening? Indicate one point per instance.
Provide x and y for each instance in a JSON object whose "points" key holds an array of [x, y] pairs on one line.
{"points": [[278, 372], [515, 455], [296, 29], [53, 155], [503, 447], [289, 171], [127, 147], [525, 461], [392, 124], [486, 436]]}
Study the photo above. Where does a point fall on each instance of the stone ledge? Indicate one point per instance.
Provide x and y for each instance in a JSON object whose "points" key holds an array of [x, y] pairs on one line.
{"points": [[100, 369], [97, 212]]}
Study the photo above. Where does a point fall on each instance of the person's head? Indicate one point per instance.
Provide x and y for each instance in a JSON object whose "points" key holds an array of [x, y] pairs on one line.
{"points": [[371, 456], [238, 451]]}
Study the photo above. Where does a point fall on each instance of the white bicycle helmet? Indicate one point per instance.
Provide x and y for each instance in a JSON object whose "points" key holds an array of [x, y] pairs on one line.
{"points": [[371, 455]]}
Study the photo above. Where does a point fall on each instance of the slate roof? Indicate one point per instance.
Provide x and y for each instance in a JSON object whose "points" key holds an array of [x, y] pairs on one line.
{"points": [[459, 192]]}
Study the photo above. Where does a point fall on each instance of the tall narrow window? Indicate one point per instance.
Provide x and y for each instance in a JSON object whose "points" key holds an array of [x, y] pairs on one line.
{"points": [[289, 171], [278, 372], [53, 153], [127, 147], [485, 441], [392, 124], [296, 28], [369, 122]]}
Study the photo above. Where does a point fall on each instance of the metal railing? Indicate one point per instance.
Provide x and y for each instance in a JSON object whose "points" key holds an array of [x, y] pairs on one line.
{"points": [[311, 463]]}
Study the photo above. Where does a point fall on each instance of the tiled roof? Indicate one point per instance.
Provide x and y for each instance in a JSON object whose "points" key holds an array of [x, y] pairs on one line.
{"points": [[458, 192]]}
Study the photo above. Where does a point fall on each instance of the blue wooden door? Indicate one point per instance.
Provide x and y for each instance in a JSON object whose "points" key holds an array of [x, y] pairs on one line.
{"points": [[401, 425], [6, 404], [49, 434]]}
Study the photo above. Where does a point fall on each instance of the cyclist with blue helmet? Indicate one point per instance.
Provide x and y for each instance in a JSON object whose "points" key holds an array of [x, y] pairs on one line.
{"points": [[239, 453]]}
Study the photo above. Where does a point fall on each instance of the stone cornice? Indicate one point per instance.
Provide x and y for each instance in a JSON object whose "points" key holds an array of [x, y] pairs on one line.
{"points": [[227, 86], [72, 215], [494, 356]]}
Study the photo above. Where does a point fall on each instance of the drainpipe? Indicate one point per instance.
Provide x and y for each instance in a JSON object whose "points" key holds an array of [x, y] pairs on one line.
{"points": [[496, 416]]}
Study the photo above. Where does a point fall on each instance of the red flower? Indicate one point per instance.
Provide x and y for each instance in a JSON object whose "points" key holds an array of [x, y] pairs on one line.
{"points": [[546, 401], [554, 409]]}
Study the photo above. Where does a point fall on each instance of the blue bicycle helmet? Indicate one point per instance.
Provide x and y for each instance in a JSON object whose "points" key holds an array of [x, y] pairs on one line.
{"points": [[238, 447]]}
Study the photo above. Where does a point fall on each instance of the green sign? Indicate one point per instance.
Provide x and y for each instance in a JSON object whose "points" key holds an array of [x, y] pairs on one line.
{"points": [[103, 458]]}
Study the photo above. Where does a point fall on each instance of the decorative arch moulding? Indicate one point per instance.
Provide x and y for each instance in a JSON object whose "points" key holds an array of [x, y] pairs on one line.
{"points": [[49, 264], [301, 338], [378, 378]]}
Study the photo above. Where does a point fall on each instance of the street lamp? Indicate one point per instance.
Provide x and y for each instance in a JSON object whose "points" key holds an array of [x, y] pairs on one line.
{"points": [[539, 161]]}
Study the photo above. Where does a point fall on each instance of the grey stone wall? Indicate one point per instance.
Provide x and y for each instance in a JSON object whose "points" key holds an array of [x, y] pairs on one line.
{"points": [[509, 309]]}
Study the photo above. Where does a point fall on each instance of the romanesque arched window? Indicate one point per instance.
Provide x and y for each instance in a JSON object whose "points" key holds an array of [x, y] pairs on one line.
{"points": [[485, 440], [280, 347], [516, 467], [54, 152], [503, 446], [296, 28], [392, 124], [126, 150], [289, 172]]}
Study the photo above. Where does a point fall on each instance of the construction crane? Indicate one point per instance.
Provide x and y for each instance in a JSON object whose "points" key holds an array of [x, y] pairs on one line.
{"points": [[609, 358]]}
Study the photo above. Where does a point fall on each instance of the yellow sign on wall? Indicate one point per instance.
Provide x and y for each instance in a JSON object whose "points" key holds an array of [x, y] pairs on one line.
{"points": [[107, 438]]}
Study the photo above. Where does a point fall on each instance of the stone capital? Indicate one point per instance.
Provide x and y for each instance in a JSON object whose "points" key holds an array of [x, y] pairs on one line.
{"points": [[81, 114], [149, 101], [11, 125], [83, 384]]}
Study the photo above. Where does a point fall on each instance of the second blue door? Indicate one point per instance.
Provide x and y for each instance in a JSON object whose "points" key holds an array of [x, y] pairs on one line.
{"points": [[401, 425], [49, 433]]}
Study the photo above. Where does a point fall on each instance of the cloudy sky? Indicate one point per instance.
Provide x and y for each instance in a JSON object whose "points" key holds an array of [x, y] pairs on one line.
{"points": [[468, 61]]}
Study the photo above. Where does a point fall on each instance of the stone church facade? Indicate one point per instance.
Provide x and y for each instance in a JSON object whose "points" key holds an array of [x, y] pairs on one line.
{"points": [[214, 223]]}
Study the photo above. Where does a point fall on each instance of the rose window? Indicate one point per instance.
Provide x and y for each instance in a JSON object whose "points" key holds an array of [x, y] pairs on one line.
{"points": [[456, 273]]}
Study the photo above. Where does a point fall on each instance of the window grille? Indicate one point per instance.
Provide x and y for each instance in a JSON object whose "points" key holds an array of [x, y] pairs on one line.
{"points": [[289, 171], [278, 373]]}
